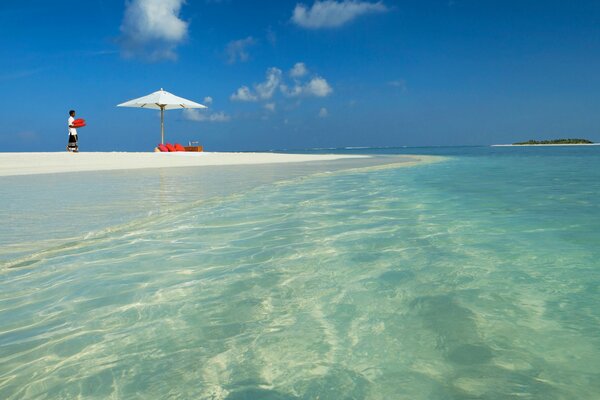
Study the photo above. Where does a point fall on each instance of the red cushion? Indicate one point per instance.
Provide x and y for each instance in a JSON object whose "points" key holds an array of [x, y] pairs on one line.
{"points": [[79, 123], [170, 147], [163, 148], [179, 147]]}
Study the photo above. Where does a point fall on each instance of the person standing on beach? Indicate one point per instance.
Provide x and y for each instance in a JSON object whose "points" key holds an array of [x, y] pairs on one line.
{"points": [[72, 146]]}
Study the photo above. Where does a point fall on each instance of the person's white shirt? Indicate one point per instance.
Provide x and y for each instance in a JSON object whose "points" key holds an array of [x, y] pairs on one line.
{"points": [[72, 131]]}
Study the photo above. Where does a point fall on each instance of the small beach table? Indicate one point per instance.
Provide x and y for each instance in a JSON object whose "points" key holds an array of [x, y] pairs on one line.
{"points": [[193, 148]]}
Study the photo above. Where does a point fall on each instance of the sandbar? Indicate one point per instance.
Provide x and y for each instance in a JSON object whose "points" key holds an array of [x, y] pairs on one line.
{"points": [[12, 164]]}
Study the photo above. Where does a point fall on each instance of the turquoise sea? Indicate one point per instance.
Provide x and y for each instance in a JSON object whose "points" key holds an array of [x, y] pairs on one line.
{"points": [[473, 277]]}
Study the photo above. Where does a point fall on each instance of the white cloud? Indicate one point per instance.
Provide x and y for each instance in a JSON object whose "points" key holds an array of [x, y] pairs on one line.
{"points": [[270, 107], [152, 29], [20, 74], [323, 112], [294, 91], [266, 89], [331, 13], [399, 83], [274, 80], [219, 117], [243, 94], [317, 87], [271, 36], [199, 116], [299, 70], [237, 50], [208, 100]]}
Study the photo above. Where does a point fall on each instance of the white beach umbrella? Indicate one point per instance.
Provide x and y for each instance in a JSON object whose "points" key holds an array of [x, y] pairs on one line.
{"points": [[161, 100]]}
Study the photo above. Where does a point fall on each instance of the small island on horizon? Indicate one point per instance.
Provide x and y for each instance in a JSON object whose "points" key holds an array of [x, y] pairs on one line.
{"points": [[554, 141]]}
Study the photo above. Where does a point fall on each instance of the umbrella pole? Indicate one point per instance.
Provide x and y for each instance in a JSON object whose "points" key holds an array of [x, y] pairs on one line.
{"points": [[162, 125]]}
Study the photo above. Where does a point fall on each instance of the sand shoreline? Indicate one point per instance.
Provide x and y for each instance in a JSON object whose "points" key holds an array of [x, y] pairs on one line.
{"points": [[542, 145], [14, 164]]}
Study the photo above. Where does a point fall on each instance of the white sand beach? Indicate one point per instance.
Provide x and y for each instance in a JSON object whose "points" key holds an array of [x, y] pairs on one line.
{"points": [[12, 164]]}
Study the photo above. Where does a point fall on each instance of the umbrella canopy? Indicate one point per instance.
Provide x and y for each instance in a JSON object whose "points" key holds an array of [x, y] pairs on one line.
{"points": [[161, 100]]}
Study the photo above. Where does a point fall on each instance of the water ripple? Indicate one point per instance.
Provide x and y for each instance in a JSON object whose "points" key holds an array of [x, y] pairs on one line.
{"points": [[369, 285]]}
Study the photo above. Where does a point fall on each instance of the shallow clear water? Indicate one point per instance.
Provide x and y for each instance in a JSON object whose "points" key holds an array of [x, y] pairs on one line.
{"points": [[41, 211], [473, 278]]}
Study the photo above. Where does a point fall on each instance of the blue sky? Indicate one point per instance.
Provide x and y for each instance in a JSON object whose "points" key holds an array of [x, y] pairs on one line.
{"points": [[299, 74]]}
